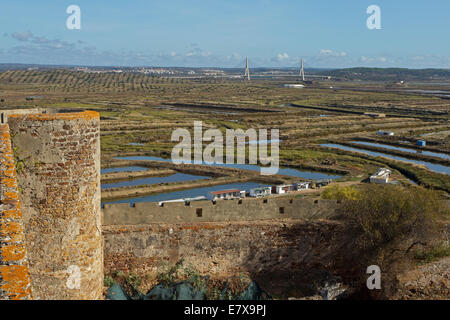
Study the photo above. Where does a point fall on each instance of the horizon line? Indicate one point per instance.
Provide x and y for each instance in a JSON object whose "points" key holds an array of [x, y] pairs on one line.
{"points": [[203, 67]]}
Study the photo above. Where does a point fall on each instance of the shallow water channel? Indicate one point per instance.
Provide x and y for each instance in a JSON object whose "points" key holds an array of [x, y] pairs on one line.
{"points": [[432, 166], [177, 177], [386, 146], [190, 193], [285, 171]]}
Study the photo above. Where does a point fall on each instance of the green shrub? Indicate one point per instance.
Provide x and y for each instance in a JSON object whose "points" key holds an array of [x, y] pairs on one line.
{"points": [[192, 275], [387, 224], [108, 281], [167, 274], [432, 254], [335, 192], [133, 280], [390, 215]]}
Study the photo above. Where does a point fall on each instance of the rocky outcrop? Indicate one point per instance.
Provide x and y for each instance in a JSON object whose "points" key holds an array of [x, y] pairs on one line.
{"points": [[427, 282]]}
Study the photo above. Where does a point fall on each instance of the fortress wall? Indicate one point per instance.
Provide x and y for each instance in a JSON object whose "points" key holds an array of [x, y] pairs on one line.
{"points": [[224, 210], [4, 114], [59, 176], [281, 251], [14, 271], [281, 255]]}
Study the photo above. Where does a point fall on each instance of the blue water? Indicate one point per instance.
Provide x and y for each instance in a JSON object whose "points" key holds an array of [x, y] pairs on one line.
{"points": [[386, 146], [433, 167], [177, 177], [191, 193], [286, 171], [123, 169], [431, 133], [262, 142]]}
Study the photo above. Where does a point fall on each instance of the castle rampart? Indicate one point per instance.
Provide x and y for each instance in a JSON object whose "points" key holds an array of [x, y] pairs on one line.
{"points": [[221, 211], [272, 252], [4, 114]]}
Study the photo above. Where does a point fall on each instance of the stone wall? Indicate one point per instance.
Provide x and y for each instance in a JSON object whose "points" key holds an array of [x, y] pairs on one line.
{"points": [[58, 166], [4, 114], [278, 242], [223, 210], [281, 255], [14, 270]]}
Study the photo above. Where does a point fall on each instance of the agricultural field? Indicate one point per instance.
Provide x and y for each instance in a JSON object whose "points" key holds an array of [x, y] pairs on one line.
{"points": [[140, 112]]}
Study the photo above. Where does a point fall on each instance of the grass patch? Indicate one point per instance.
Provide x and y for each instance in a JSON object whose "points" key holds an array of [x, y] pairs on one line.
{"points": [[424, 256]]}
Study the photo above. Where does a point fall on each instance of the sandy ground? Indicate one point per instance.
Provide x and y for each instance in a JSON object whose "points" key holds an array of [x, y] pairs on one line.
{"points": [[117, 176]]}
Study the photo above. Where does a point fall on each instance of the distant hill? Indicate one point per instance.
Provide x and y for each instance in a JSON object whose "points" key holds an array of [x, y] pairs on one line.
{"points": [[367, 74], [21, 66], [389, 74]]}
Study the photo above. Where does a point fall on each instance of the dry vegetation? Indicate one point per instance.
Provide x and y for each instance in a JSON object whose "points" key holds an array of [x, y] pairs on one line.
{"points": [[393, 228]]}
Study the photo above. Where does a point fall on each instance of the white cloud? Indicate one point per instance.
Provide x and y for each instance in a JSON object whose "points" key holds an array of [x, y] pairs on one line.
{"points": [[328, 52], [325, 52], [40, 49], [372, 61], [22, 36], [282, 57]]}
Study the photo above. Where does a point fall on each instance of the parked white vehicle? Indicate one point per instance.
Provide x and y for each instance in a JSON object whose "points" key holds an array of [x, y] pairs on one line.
{"points": [[260, 192]]}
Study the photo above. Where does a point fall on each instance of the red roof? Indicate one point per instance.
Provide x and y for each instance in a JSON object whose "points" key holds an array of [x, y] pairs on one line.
{"points": [[226, 191]]}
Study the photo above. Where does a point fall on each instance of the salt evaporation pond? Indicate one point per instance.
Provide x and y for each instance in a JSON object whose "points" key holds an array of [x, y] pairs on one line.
{"points": [[177, 177], [386, 146], [433, 167], [123, 169], [285, 171]]}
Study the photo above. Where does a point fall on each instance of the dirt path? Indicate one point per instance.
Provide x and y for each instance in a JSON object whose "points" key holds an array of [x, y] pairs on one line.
{"points": [[129, 175]]}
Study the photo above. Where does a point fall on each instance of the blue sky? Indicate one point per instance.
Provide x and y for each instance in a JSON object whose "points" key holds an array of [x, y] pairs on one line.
{"points": [[326, 33]]}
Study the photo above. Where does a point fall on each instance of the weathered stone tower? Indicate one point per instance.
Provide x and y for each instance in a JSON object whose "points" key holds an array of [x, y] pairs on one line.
{"points": [[58, 169], [15, 281]]}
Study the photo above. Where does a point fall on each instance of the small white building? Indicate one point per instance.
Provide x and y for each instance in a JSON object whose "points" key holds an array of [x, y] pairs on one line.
{"points": [[199, 198], [301, 185], [260, 192], [284, 188], [227, 194], [294, 86], [385, 133], [383, 176]]}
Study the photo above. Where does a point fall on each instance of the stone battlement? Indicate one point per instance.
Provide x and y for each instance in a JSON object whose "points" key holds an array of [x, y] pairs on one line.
{"points": [[223, 210], [4, 114]]}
